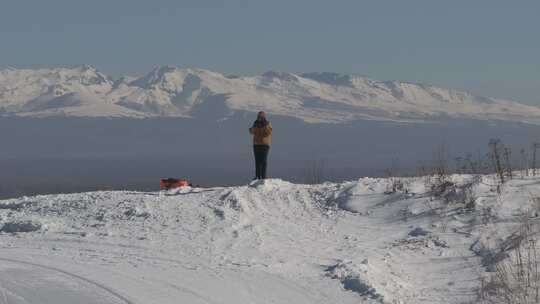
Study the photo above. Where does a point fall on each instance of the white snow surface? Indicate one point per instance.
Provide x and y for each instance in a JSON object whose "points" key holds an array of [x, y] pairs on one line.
{"points": [[268, 242], [174, 92]]}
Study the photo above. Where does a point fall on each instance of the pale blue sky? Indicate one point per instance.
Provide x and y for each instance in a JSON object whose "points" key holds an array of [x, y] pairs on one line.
{"points": [[488, 47]]}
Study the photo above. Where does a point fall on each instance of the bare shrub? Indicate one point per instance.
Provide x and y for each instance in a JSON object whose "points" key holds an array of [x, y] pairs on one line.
{"points": [[427, 176], [516, 279], [495, 154], [461, 166], [477, 165], [315, 171], [469, 194], [535, 211], [470, 164], [524, 163], [393, 182], [535, 147], [507, 155], [396, 182], [440, 163], [452, 198], [437, 177]]}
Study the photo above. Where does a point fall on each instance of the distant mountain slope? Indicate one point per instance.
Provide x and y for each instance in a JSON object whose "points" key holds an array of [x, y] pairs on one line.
{"points": [[174, 92]]}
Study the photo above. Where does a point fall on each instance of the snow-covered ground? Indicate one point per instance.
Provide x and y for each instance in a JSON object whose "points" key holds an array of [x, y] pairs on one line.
{"points": [[267, 242]]}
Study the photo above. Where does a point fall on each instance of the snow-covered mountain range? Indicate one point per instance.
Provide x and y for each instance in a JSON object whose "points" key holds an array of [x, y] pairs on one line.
{"points": [[173, 92]]}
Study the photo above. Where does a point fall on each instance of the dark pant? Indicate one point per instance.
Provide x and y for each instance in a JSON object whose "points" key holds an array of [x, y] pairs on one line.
{"points": [[261, 154]]}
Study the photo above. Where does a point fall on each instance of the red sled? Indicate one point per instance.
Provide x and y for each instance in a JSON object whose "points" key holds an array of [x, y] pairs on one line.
{"points": [[171, 183]]}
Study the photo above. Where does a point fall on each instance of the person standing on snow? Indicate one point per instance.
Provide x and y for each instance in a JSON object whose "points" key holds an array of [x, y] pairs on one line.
{"points": [[262, 138]]}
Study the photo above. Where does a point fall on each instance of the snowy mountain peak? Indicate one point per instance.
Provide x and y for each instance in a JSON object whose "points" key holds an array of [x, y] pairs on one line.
{"points": [[85, 67], [55, 74], [157, 76], [91, 76], [176, 92], [282, 76], [165, 77], [330, 78]]}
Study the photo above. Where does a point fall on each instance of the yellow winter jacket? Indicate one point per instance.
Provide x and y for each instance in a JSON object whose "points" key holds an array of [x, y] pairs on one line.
{"points": [[262, 135]]}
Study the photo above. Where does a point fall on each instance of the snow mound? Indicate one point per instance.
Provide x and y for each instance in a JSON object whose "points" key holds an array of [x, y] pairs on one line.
{"points": [[352, 277]]}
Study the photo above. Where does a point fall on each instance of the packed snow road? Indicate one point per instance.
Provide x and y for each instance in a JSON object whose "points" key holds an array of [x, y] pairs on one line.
{"points": [[269, 242]]}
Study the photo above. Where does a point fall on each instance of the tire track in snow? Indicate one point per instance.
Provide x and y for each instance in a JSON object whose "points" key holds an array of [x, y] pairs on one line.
{"points": [[135, 255], [190, 292], [73, 275]]}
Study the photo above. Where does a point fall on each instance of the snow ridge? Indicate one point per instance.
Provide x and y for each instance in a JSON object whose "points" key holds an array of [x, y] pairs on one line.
{"points": [[169, 91]]}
